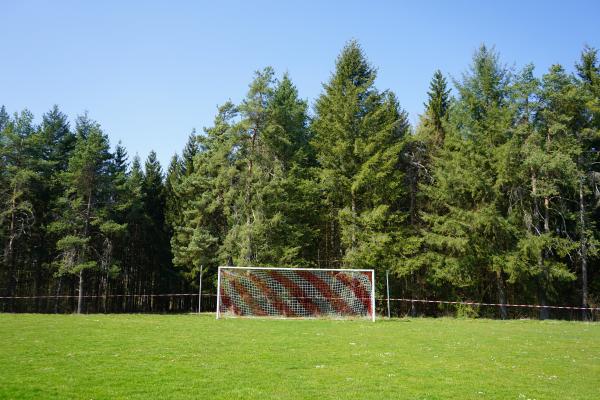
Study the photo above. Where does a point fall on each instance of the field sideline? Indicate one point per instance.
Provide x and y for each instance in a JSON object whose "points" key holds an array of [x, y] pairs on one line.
{"points": [[197, 357]]}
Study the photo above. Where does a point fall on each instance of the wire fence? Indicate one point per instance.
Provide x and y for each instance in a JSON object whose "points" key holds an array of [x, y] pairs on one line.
{"points": [[110, 304], [404, 307], [188, 303]]}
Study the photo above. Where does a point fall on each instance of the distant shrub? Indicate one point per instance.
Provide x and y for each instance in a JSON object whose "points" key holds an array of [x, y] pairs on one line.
{"points": [[466, 311]]}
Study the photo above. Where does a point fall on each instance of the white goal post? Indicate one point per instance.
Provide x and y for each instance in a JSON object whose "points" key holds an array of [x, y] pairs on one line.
{"points": [[296, 292]]}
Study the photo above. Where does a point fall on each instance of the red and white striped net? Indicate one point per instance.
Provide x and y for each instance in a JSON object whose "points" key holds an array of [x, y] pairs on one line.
{"points": [[301, 293]]}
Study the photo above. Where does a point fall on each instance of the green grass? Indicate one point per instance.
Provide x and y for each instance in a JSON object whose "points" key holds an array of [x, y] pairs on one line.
{"points": [[197, 357]]}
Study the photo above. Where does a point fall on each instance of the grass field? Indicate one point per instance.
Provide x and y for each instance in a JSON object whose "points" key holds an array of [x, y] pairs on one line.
{"points": [[197, 357]]}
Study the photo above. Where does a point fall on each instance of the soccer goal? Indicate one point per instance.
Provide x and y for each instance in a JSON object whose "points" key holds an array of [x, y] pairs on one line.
{"points": [[296, 292]]}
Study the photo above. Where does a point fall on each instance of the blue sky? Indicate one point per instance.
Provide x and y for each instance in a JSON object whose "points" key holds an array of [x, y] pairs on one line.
{"points": [[149, 72]]}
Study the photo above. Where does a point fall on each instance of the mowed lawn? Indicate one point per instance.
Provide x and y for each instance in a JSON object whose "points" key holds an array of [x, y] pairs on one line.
{"points": [[198, 357]]}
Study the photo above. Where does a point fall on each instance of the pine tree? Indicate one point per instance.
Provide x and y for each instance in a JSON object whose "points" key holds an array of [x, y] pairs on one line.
{"points": [[57, 142], [249, 198], [250, 221], [20, 156], [84, 222]]}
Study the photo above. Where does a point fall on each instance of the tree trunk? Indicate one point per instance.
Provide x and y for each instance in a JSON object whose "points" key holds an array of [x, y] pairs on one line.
{"points": [[583, 250], [57, 294], [413, 197], [334, 252], [9, 253], [534, 228], [353, 221], [80, 294], [544, 312], [105, 297], [85, 235], [501, 294]]}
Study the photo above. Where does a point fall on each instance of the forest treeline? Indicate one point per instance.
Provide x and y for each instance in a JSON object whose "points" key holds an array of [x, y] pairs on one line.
{"points": [[493, 196]]}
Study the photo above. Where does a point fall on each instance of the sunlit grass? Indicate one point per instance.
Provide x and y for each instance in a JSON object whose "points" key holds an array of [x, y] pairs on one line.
{"points": [[190, 356]]}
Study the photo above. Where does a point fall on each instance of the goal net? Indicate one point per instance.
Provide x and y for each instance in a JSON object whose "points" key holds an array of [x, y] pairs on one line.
{"points": [[296, 292]]}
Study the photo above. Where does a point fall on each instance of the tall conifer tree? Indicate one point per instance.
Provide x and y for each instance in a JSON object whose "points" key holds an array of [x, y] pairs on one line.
{"points": [[358, 135], [467, 231], [84, 221]]}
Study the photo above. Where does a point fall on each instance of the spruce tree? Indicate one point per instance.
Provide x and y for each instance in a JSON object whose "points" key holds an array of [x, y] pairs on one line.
{"points": [[118, 204], [552, 151], [175, 173], [294, 196], [157, 243], [418, 153], [58, 137], [588, 87], [436, 108], [358, 134], [467, 230], [189, 153], [199, 234], [429, 136], [4, 118], [135, 252]]}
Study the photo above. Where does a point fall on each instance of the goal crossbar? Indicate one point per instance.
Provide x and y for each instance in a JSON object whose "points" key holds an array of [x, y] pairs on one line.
{"points": [[300, 269], [296, 292]]}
